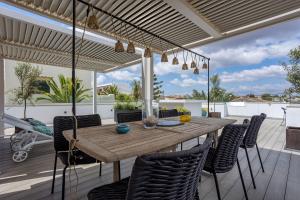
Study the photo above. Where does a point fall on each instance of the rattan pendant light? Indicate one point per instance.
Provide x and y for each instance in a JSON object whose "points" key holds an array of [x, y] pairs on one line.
{"points": [[196, 70], [118, 45], [204, 66], [92, 21], [164, 56], [184, 65], [193, 63], [175, 59], [130, 46], [147, 52]]}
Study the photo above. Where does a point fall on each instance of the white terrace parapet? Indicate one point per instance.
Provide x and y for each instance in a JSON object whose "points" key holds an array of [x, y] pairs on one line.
{"points": [[293, 115], [195, 106]]}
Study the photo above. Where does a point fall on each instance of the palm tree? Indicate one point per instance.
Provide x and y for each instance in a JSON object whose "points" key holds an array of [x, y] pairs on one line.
{"points": [[62, 93], [216, 91], [110, 89], [136, 90]]}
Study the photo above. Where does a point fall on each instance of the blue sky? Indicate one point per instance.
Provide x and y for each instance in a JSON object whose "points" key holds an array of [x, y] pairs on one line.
{"points": [[247, 63]]}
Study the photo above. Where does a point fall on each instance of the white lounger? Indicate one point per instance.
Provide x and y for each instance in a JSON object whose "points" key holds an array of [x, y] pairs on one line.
{"points": [[23, 141]]}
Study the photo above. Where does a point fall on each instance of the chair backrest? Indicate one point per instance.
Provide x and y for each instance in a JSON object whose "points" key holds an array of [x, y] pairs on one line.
{"points": [[167, 176], [228, 147], [63, 123], [253, 129], [168, 113], [129, 117]]}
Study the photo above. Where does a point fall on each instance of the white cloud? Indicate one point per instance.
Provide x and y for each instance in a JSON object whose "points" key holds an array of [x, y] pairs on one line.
{"points": [[253, 74], [261, 88], [243, 50], [184, 76], [123, 75], [187, 82], [135, 68], [100, 79]]}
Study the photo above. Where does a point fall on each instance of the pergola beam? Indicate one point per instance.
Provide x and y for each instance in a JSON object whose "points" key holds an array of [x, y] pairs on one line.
{"points": [[249, 28], [190, 13]]}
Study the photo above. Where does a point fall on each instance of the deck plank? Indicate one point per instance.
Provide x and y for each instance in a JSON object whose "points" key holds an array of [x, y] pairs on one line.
{"points": [[35, 174], [293, 182]]}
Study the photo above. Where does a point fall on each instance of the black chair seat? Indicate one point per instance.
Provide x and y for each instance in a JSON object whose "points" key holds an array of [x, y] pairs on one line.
{"points": [[163, 176], [247, 146], [80, 158], [114, 191]]}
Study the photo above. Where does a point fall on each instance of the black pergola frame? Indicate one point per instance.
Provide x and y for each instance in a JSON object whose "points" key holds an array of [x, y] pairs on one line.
{"points": [[128, 23]]}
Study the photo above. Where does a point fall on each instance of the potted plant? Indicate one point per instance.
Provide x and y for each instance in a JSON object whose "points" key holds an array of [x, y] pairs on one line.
{"points": [[184, 113], [125, 104], [27, 76]]}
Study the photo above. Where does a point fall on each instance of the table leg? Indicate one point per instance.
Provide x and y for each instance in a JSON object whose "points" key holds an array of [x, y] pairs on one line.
{"points": [[116, 172], [215, 137]]}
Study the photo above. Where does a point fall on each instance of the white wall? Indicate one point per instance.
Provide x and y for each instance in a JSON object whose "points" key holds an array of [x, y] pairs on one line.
{"points": [[272, 110], [195, 106], [11, 81], [293, 116], [46, 113]]}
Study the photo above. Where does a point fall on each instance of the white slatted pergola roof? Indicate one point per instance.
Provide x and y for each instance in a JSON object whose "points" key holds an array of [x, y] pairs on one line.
{"points": [[188, 23], [24, 40]]}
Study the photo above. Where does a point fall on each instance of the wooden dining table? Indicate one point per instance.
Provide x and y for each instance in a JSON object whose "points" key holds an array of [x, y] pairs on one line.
{"points": [[106, 145]]}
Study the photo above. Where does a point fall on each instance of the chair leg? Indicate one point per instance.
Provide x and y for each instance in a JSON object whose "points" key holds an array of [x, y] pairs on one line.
{"points": [[181, 144], [198, 140], [250, 168], [217, 185], [262, 166], [63, 183], [54, 173], [242, 180], [100, 169], [120, 170]]}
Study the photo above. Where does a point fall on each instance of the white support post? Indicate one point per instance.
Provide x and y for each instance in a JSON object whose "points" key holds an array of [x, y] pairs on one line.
{"points": [[95, 92], [147, 81], [2, 99]]}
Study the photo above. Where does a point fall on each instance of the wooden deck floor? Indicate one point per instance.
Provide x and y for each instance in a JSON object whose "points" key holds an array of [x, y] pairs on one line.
{"points": [[281, 180]]}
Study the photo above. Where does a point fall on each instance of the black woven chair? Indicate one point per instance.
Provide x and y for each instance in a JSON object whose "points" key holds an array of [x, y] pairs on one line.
{"points": [[164, 176], [250, 139], [61, 145], [129, 117], [223, 158], [168, 113]]}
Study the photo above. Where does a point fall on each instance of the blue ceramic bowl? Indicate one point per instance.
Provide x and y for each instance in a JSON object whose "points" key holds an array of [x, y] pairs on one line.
{"points": [[122, 128]]}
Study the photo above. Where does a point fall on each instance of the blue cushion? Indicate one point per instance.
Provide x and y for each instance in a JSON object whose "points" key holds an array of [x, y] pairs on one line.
{"points": [[35, 122], [44, 129]]}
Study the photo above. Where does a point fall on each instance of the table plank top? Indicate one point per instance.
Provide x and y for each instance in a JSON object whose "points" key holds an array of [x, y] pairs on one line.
{"points": [[105, 144]]}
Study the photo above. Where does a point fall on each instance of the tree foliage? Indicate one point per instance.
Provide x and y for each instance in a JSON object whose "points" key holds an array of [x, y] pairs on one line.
{"points": [[157, 87], [293, 70], [110, 89], [27, 75], [218, 94], [198, 95], [267, 97], [62, 92], [136, 90]]}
